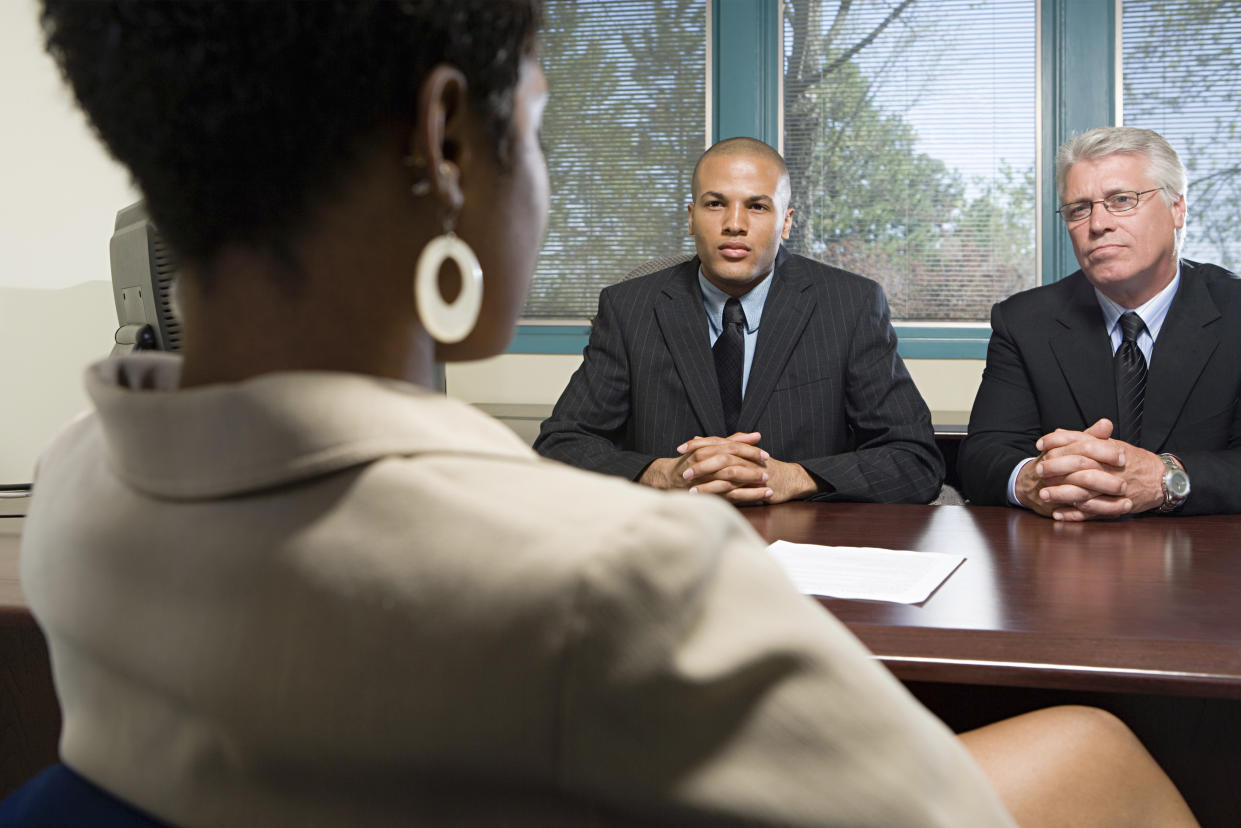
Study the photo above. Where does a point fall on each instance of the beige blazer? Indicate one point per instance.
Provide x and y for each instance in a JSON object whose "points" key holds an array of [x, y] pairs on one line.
{"points": [[326, 599]]}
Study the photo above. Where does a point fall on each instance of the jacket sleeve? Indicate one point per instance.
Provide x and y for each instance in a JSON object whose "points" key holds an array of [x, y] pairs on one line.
{"points": [[894, 458], [1213, 477], [1004, 422], [1207, 434], [1213, 471], [675, 706], [589, 422]]}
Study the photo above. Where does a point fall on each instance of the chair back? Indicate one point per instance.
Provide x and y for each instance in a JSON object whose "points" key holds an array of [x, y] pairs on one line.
{"points": [[57, 797], [656, 265], [948, 496]]}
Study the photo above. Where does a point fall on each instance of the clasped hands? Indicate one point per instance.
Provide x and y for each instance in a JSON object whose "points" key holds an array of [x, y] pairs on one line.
{"points": [[734, 467], [1085, 475]]}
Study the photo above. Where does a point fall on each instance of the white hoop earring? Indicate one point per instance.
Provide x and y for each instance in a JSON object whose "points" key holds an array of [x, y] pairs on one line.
{"points": [[448, 322]]}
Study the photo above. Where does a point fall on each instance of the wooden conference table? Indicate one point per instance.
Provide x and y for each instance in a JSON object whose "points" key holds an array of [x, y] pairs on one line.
{"points": [[1141, 616], [1149, 604]]}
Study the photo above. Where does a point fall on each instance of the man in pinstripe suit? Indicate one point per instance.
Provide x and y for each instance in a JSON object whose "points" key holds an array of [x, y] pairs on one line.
{"points": [[828, 410]]}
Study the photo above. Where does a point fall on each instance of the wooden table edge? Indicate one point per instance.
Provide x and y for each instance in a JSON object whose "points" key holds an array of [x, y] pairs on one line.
{"points": [[977, 657]]}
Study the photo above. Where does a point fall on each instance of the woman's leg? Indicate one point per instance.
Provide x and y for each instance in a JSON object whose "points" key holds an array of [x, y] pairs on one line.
{"points": [[1075, 766]]}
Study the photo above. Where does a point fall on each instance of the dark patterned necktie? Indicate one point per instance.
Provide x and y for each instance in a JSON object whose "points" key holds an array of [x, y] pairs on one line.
{"points": [[729, 353], [1130, 380]]}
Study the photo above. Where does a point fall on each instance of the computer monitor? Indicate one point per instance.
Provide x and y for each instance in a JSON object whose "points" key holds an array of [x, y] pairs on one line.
{"points": [[143, 278], [144, 275]]}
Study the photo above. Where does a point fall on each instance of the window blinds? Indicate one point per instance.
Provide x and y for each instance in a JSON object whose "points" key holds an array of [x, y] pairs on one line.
{"points": [[1181, 65], [909, 129], [625, 123]]}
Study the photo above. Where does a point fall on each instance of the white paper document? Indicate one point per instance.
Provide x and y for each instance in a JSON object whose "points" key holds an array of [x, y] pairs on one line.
{"points": [[864, 572]]}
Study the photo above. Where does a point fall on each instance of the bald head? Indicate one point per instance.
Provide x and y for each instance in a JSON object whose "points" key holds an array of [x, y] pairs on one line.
{"points": [[749, 148], [740, 213]]}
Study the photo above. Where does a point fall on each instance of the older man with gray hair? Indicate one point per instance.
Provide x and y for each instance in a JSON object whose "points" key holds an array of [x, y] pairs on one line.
{"points": [[1116, 390]]}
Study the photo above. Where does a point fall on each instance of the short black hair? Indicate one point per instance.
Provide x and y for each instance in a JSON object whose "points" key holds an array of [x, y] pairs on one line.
{"points": [[233, 117], [744, 146]]}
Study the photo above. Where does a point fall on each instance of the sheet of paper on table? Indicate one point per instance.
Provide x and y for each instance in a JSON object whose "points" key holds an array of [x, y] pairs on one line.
{"points": [[864, 572]]}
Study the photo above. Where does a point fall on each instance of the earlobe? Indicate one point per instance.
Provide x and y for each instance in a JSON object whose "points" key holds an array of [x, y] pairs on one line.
{"points": [[439, 138]]}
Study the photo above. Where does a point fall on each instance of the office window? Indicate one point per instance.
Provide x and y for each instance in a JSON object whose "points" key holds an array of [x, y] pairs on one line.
{"points": [[1182, 78], [625, 122], [909, 129]]}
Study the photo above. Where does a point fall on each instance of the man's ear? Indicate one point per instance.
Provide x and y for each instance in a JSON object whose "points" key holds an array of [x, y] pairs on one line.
{"points": [[788, 224], [439, 142], [690, 208]]}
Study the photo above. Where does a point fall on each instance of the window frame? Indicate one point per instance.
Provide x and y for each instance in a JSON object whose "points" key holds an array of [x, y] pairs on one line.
{"points": [[1067, 39]]}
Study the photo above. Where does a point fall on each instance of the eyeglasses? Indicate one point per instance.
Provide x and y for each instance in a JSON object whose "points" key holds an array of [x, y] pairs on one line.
{"points": [[1122, 202]]}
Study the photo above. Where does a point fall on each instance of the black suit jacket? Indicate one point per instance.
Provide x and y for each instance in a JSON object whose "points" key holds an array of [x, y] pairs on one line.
{"points": [[1049, 366], [826, 389]]}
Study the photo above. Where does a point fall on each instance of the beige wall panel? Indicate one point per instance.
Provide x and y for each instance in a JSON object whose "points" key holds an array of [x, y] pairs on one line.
{"points": [[531, 379]]}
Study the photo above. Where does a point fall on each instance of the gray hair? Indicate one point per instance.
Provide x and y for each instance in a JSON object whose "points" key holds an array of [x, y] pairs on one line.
{"points": [[1163, 165]]}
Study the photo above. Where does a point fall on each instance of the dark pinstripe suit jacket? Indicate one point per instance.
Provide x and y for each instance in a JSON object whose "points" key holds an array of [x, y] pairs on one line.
{"points": [[826, 389], [1049, 366]]}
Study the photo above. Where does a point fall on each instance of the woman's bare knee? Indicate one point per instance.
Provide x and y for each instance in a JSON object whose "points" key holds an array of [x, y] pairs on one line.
{"points": [[1075, 765]]}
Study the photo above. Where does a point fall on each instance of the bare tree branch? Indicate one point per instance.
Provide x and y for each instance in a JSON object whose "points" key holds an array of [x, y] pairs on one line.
{"points": [[1224, 173], [805, 18], [848, 54], [842, 11]]}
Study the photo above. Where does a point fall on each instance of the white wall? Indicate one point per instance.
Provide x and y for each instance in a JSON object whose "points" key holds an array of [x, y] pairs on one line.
{"points": [[61, 194]]}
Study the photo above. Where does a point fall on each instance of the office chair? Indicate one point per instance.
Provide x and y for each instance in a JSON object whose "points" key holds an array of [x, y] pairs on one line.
{"points": [[655, 265], [948, 496], [652, 266], [57, 797]]}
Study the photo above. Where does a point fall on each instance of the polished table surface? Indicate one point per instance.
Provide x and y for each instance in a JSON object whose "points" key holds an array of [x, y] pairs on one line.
{"points": [[1143, 605]]}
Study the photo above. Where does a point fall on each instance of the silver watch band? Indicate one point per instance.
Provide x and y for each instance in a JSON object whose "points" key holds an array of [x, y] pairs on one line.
{"points": [[1174, 483]]}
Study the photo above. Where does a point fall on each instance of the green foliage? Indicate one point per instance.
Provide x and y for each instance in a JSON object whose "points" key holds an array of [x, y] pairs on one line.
{"points": [[625, 124], [868, 200], [1185, 83]]}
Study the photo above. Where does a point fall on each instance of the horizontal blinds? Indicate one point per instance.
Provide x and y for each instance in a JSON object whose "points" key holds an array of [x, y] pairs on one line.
{"points": [[624, 125], [1181, 67], [909, 128]]}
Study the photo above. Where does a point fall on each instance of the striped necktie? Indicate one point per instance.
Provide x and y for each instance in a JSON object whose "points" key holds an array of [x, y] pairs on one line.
{"points": [[1130, 380], [729, 353]]}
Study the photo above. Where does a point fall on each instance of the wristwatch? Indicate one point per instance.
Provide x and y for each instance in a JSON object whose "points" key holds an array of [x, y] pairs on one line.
{"points": [[1175, 483]]}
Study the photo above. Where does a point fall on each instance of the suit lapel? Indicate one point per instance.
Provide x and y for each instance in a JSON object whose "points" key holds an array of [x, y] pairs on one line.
{"points": [[1185, 344], [1084, 353], [683, 322], [785, 313]]}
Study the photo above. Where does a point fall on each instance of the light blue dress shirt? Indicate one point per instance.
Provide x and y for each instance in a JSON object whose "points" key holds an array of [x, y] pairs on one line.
{"points": [[1153, 314], [713, 300]]}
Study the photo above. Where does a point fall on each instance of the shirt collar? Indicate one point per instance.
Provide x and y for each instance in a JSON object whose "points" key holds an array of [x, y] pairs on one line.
{"points": [[1153, 312], [713, 300]]}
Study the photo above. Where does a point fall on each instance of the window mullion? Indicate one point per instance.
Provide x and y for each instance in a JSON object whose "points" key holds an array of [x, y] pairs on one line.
{"points": [[1078, 92]]}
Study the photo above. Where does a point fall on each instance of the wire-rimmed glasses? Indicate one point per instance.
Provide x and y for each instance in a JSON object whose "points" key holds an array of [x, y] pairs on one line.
{"points": [[1122, 202]]}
